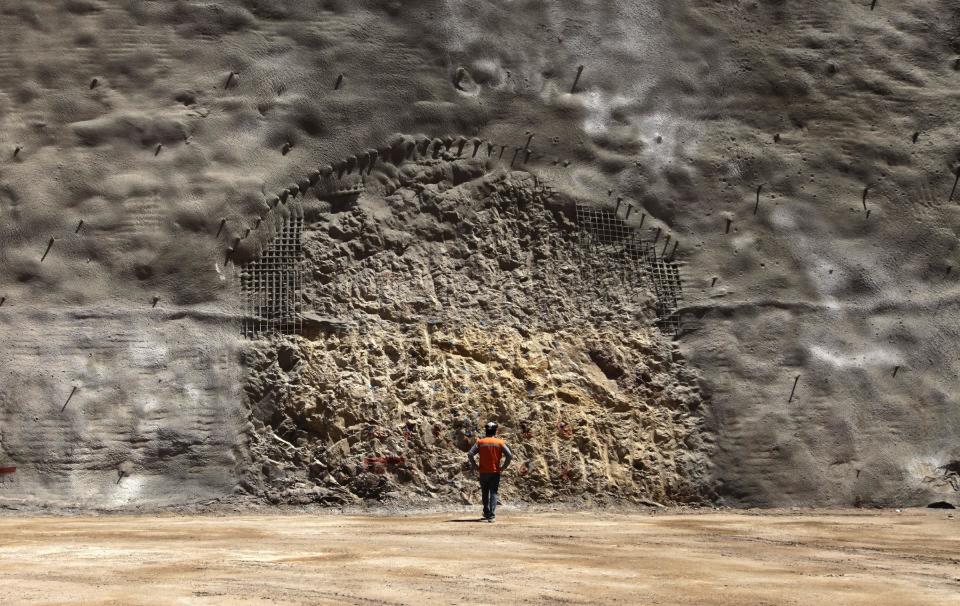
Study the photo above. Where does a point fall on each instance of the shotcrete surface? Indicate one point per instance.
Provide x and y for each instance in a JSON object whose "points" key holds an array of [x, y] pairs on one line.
{"points": [[802, 153]]}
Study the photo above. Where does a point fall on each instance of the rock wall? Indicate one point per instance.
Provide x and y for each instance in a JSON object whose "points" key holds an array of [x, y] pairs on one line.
{"points": [[801, 152], [460, 297]]}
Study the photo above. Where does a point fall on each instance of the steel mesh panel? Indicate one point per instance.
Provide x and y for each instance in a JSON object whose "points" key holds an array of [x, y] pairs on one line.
{"points": [[270, 286], [601, 231]]}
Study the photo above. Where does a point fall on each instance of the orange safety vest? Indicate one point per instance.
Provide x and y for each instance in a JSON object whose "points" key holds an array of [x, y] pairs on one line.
{"points": [[491, 451]]}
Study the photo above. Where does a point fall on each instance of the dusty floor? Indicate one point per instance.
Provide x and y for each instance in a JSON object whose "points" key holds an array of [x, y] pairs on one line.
{"points": [[847, 557]]}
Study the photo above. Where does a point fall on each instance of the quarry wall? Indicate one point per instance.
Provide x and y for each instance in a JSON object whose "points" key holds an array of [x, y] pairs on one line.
{"points": [[802, 155]]}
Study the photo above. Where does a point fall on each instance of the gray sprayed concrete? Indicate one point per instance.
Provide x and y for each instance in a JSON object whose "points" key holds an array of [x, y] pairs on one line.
{"points": [[685, 107], [153, 419]]}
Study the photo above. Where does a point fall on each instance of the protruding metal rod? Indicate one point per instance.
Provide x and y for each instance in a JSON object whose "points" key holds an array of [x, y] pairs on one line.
{"points": [[70, 397], [79, 225], [515, 152], [157, 151], [673, 252], [2, 299], [756, 207], [713, 282], [955, 181], [666, 243], [865, 191], [339, 82], [896, 369], [46, 252], [795, 381], [643, 217], [873, 4], [155, 301], [729, 223], [656, 237], [222, 223], [617, 209], [573, 88], [629, 210]]}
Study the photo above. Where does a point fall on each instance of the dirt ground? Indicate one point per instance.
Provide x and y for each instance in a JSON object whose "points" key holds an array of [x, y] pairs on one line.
{"points": [[840, 557]]}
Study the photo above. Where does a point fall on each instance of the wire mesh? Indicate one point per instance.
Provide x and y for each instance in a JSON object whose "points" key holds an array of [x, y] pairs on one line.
{"points": [[271, 285], [602, 231]]}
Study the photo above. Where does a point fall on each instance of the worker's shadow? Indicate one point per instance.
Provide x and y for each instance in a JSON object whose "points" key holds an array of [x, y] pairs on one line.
{"points": [[474, 520]]}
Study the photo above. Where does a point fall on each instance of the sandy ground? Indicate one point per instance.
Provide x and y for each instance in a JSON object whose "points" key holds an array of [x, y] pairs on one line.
{"points": [[840, 557]]}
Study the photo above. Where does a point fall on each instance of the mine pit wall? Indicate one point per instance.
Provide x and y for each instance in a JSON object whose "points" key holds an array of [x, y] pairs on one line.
{"points": [[842, 269], [457, 295], [154, 419]]}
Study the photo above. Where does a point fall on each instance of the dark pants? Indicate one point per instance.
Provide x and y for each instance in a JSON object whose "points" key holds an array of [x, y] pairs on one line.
{"points": [[489, 485]]}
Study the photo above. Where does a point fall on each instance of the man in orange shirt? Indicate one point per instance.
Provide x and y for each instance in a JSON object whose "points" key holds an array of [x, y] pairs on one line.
{"points": [[492, 450]]}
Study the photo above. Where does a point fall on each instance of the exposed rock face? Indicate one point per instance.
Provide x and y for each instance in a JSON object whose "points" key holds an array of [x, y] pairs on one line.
{"points": [[461, 297], [803, 153]]}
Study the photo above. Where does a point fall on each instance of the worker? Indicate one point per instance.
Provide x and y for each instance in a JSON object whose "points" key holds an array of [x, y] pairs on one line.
{"points": [[492, 451]]}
